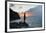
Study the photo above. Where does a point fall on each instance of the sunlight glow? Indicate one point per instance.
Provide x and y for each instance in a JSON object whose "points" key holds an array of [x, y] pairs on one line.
{"points": [[27, 14]]}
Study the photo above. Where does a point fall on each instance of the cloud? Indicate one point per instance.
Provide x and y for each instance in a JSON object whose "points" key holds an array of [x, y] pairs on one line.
{"points": [[22, 7]]}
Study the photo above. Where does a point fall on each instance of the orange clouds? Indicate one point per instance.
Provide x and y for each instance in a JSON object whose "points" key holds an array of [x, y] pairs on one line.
{"points": [[27, 14]]}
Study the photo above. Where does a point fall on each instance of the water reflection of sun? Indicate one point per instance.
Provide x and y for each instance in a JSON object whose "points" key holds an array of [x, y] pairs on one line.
{"points": [[26, 14]]}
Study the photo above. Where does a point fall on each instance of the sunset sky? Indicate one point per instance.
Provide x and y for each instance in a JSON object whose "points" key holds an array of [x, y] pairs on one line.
{"points": [[21, 8], [26, 14]]}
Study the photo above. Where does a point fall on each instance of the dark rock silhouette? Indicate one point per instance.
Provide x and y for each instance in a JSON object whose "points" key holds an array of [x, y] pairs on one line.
{"points": [[14, 15], [18, 25]]}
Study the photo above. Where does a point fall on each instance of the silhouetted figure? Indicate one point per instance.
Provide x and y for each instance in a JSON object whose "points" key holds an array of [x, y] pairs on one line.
{"points": [[24, 17]]}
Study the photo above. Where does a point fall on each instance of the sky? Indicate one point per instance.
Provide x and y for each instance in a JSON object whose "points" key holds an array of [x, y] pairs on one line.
{"points": [[23, 7]]}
